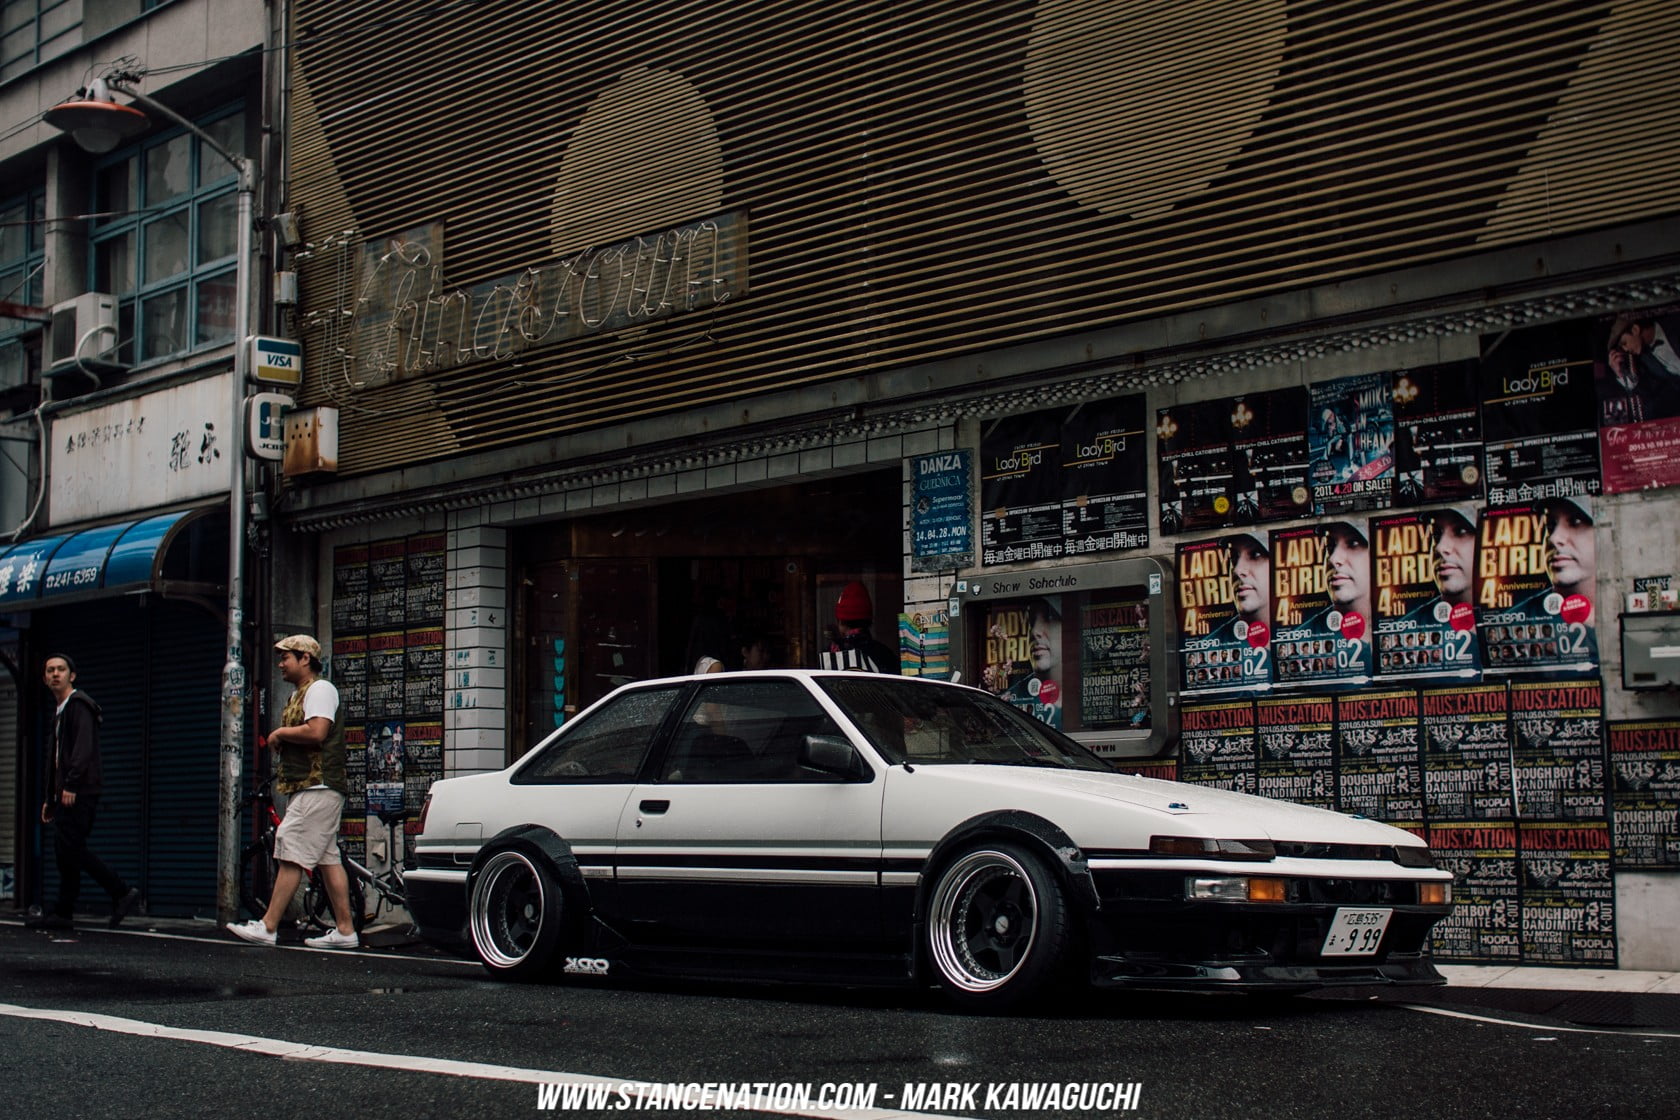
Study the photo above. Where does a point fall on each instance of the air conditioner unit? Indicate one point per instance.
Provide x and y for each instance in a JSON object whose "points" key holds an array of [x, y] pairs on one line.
{"points": [[82, 335]]}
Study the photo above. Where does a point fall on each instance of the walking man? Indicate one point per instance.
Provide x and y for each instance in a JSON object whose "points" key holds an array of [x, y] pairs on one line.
{"points": [[75, 782], [309, 769]]}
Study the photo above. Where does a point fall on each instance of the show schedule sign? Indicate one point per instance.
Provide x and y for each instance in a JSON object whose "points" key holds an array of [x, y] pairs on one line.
{"points": [[1219, 650], [1020, 488], [1485, 926], [1425, 623], [1379, 756], [1350, 443], [1105, 476], [1437, 435], [1193, 460], [1558, 751], [1216, 745], [1568, 893], [1467, 753], [1539, 411], [1645, 793], [1114, 665], [941, 512], [1296, 759], [1319, 637], [1269, 456], [1536, 578]]}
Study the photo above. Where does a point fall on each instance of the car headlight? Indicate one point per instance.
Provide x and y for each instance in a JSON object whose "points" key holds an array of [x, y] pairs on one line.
{"points": [[1413, 855], [1236, 888], [1204, 847]]}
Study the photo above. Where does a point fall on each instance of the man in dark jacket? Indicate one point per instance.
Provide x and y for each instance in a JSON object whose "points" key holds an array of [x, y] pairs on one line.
{"points": [[73, 788]]}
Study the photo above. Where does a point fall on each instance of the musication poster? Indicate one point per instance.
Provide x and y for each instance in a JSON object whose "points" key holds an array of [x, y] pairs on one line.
{"points": [[1296, 758], [1467, 753], [1558, 750], [1485, 926], [1114, 665], [1645, 793], [1379, 757], [1216, 745], [1568, 893]]}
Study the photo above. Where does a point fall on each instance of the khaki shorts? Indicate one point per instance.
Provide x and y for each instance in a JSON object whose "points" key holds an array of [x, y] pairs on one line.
{"points": [[308, 833]]}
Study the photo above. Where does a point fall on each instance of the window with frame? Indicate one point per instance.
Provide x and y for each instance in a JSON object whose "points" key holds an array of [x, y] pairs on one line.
{"points": [[32, 31], [165, 240], [746, 732], [608, 745], [23, 222]]}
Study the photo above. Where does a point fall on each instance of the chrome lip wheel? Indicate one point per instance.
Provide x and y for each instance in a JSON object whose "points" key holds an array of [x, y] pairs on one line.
{"points": [[985, 918], [507, 909]]}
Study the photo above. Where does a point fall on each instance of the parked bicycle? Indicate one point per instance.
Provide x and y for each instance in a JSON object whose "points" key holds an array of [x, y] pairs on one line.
{"points": [[258, 867]]}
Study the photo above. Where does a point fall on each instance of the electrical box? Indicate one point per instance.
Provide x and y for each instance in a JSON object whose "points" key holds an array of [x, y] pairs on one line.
{"points": [[311, 442], [82, 335], [1651, 650]]}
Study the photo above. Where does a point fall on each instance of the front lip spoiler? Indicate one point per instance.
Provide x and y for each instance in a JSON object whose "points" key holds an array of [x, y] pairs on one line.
{"points": [[1119, 971]]}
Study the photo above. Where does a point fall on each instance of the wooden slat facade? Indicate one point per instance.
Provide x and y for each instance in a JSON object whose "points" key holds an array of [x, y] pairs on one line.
{"points": [[935, 179]]}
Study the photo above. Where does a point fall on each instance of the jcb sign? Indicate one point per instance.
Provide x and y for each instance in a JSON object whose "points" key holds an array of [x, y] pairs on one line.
{"points": [[277, 361], [265, 425]]}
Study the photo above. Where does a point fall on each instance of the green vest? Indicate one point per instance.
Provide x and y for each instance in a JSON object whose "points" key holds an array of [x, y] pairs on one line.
{"points": [[301, 767]]}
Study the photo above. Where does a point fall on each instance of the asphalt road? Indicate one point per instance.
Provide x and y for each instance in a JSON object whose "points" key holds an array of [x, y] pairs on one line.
{"points": [[159, 1024]]}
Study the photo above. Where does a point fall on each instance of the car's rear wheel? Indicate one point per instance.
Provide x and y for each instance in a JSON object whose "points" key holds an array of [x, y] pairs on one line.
{"points": [[515, 915], [999, 930]]}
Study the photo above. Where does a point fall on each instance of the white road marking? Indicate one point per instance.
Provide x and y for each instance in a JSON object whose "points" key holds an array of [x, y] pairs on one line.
{"points": [[1626, 1032], [309, 1052]]}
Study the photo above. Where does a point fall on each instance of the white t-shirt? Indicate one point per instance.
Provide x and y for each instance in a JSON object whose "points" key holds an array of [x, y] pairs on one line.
{"points": [[321, 700]]}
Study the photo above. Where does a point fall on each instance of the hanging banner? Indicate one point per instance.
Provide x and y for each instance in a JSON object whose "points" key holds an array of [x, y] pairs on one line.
{"points": [[1379, 757], [1269, 456], [1321, 605], [1350, 442], [1425, 579], [1645, 793], [1193, 460], [1223, 608], [1216, 745], [1537, 575], [1558, 751], [1114, 665], [1105, 477], [1568, 894], [1296, 757], [1539, 410], [1467, 753], [1020, 488], [1437, 434], [1485, 926], [941, 534], [1639, 401]]}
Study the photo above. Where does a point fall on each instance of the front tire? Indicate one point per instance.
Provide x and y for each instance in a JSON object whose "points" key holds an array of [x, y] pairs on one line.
{"points": [[515, 915], [999, 931]]}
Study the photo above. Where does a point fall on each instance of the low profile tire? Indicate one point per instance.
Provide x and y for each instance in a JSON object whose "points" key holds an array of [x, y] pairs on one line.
{"points": [[514, 916], [1000, 935]]}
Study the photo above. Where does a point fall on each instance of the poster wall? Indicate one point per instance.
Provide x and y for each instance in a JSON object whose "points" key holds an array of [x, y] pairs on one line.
{"points": [[1557, 753], [1638, 383], [1269, 456], [1539, 413], [1020, 489], [941, 536], [1193, 461], [1437, 435], [1216, 742], [1296, 760], [1379, 756], [1485, 926], [1467, 753], [1537, 574], [1321, 605], [1425, 580], [1350, 444], [1223, 614], [1568, 894], [1114, 667]]}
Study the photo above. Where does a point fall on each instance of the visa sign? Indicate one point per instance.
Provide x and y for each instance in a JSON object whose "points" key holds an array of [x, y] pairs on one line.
{"points": [[278, 361]]}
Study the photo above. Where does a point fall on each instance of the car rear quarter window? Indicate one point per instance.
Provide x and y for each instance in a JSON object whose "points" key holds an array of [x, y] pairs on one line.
{"points": [[607, 745]]}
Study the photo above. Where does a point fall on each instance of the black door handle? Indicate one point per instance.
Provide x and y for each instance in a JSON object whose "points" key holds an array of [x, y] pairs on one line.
{"points": [[655, 806]]}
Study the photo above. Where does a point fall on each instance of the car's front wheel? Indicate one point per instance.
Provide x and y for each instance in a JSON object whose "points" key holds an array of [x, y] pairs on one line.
{"points": [[999, 930], [515, 915]]}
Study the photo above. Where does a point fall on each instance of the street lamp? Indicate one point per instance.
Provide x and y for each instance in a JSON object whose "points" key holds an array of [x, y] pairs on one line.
{"points": [[98, 124]]}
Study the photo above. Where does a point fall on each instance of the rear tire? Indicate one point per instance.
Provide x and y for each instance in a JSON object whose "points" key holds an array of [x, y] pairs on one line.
{"points": [[1000, 934], [317, 905], [256, 878], [515, 915]]}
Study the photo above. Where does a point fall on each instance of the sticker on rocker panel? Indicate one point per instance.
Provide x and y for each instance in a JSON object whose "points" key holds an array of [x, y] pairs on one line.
{"points": [[586, 966]]}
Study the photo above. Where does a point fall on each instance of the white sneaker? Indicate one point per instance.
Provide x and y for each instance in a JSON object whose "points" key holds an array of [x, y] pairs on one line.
{"points": [[253, 931], [333, 939]]}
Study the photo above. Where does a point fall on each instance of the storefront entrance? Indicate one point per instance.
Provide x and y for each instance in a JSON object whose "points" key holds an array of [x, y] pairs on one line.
{"points": [[644, 593]]}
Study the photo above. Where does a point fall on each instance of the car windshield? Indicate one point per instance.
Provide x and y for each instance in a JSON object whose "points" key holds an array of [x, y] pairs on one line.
{"points": [[919, 722]]}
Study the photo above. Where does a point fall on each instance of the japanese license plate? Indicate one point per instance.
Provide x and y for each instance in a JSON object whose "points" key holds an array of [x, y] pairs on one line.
{"points": [[1355, 933]]}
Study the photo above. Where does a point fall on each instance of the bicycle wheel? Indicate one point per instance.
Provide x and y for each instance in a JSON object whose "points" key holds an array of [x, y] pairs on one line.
{"points": [[256, 878], [318, 907]]}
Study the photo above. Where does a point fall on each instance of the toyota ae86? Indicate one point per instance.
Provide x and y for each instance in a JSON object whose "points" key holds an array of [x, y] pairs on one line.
{"points": [[835, 827]]}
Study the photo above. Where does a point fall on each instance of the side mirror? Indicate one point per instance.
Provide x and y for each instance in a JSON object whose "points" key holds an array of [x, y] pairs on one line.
{"points": [[830, 754]]}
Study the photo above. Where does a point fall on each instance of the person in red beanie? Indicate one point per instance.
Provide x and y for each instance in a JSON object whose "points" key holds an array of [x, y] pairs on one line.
{"points": [[856, 648]]}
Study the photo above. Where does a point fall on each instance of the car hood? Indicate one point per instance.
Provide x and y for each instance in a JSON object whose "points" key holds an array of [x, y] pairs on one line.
{"points": [[1204, 810]]}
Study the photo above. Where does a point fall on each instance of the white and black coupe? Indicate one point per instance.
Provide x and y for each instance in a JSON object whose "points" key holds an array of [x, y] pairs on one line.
{"points": [[852, 828]]}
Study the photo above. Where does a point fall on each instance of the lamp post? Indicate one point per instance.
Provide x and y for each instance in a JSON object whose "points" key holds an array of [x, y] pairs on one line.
{"points": [[98, 124]]}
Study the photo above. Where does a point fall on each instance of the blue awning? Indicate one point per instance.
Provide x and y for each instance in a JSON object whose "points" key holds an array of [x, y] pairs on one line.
{"points": [[107, 560]]}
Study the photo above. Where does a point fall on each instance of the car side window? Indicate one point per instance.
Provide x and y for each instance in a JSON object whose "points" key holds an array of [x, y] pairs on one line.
{"points": [[606, 746], [747, 732]]}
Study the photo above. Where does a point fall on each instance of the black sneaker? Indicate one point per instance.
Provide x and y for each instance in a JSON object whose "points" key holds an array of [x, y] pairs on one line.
{"points": [[124, 906]]}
